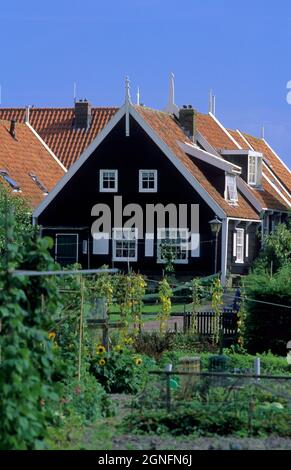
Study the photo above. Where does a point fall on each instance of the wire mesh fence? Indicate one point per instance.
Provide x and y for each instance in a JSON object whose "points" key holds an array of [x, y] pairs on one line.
{"points": [[170, 390]]}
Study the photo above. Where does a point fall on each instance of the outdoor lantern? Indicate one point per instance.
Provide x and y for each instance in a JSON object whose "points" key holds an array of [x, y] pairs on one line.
{"points": [[215, 226]]}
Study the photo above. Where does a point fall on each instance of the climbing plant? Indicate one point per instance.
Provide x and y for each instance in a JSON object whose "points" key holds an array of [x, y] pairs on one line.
{"points": [[216, 301], [196, 291], [165, 293], [27, 353]]}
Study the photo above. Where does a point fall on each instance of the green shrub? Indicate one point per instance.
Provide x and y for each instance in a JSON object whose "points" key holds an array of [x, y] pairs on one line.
{"points": [[268, 326], [153, 343], [206, 420], [120, 371], [86, 399]]}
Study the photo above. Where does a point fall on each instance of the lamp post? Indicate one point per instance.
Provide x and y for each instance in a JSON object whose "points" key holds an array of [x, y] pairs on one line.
{"points": [[215, 226]]}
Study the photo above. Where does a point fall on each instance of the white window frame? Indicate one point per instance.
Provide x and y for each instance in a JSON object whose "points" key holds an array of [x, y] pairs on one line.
{"points": [[230, 189], [148, 190], [254, 177], [239, 258], [101, 181], [161, 237], [77, 244], [124, 230]]}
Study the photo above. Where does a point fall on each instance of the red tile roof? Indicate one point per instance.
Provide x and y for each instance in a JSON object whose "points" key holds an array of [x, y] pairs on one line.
{"points": [[168, 130], [27, 154], [213, 133], [238, 138], [56, 127]]}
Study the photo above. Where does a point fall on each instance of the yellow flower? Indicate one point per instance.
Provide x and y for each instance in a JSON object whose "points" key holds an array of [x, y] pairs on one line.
{"points": [[100, 349], [138, 361], [102, 362], [128, 341], [119, 348], [51, 335]]}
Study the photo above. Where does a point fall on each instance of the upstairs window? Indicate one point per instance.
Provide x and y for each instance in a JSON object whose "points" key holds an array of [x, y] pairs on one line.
{"points": [[37, 181], [12, 183], [254, 170], [108, 181], [148, 181], [230, 188]]}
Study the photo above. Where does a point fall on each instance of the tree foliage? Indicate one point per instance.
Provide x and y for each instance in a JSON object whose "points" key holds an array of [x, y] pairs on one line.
{"points": [[11, 202], [27, 353]]}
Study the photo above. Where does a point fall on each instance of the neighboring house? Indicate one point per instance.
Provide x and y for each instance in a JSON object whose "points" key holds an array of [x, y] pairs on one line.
{"points": [[148, 157], [27, 167]]}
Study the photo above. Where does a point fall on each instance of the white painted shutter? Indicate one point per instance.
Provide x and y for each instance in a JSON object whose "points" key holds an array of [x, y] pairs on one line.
{"points": [[195, 245], [247, 245], [234, 244], [85, 247], [101, 244], [149, 244]]}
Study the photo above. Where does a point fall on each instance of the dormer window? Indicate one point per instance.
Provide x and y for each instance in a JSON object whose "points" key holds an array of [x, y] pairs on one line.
{"points": [[254, 170], [231, 189], [15, 186]]}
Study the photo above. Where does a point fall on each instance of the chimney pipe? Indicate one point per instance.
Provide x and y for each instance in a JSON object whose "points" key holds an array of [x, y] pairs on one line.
{"points": [[187, 118], [83, 114], [13, 128]]}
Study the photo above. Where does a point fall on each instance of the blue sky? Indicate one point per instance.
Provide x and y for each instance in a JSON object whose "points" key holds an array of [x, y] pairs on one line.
{"points": [[240, 49]]}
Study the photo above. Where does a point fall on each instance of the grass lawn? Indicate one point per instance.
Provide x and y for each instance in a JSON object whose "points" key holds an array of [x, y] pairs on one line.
{"points": [[149, 312]]}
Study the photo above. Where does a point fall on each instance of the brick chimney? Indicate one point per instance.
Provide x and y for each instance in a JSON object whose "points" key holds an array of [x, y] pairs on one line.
{"points": [[187, 118], [82, 114], [12, 129]]}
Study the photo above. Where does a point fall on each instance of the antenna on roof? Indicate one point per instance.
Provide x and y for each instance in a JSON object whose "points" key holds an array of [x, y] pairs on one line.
{"points": [[75, 91], [171, 107], [212, 103], [263, 132], [127, 105], [137, 96], [27, 113]]}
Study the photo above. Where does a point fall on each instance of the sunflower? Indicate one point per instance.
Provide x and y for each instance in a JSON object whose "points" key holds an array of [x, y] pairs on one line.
{"points": [[100, 349], [52, 335], [101, 362], [138, 361], [119, 348]]}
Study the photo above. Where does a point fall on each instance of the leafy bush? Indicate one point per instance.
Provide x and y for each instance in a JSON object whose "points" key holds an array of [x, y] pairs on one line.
{"points": [[153, 343], [27, 354], [86, 399], [268, 326], [120, 371]]}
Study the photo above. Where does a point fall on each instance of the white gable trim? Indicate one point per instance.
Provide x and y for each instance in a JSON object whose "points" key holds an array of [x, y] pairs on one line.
{"points": [[46, 147], [245, 140], [224, 130], [218, 162], [159, 142], [85, 155], [277, 190], [247, 192], [205, 144], [276, 155], [178, 164], [276, 178]]}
